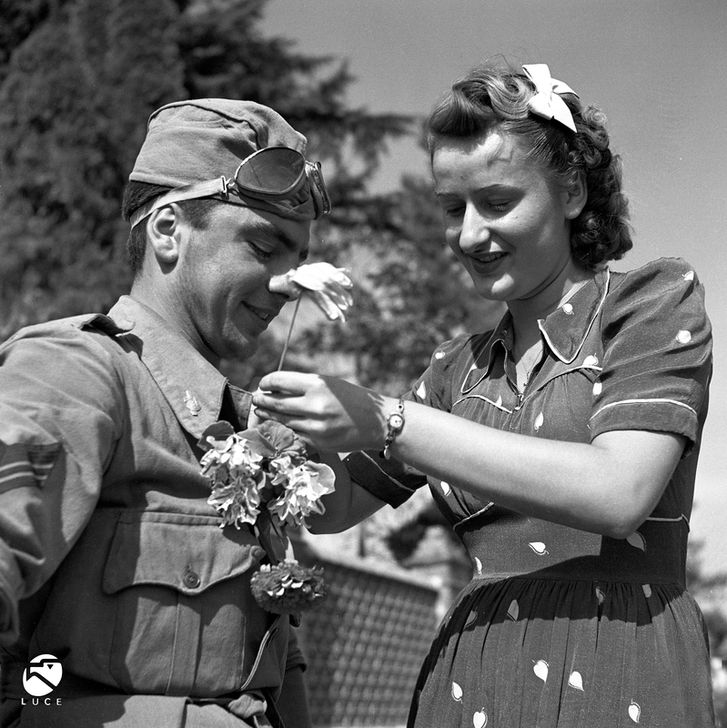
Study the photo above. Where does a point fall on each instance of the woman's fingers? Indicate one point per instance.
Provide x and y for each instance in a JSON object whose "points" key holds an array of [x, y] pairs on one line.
{"points": [[283, 404], [288, 382]]}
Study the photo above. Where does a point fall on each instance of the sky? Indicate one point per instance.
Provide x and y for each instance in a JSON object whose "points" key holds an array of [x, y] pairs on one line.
{"points": [[657, 68]]}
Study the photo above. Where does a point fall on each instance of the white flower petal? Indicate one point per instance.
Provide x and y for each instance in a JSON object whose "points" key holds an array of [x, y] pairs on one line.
{"points": [[328, 286]]}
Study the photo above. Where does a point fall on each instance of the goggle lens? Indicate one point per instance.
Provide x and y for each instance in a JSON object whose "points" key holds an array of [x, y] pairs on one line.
{"points": [[271, 171]]}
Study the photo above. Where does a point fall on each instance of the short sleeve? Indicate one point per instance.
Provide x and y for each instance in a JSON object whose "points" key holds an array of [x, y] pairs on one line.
{"points": [[390, 480], [657, 358]]}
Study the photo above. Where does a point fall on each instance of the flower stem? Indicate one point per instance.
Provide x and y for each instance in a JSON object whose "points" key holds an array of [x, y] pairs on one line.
{"points": [[290, 332]]}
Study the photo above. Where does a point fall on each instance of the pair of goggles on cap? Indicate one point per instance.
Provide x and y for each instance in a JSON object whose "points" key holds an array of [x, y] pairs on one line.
{"points": [[272, 173]]}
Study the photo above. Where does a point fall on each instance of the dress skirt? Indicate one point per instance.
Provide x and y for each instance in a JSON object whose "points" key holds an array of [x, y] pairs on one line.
{"points": [[540, 653]]}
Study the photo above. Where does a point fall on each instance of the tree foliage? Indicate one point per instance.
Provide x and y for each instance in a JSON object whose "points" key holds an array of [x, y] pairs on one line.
{"points": [[73, 101], [78, 80]]}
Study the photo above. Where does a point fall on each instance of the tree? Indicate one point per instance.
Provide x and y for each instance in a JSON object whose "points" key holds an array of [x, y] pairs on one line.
{"points": [[78, 81], [72, 103]]}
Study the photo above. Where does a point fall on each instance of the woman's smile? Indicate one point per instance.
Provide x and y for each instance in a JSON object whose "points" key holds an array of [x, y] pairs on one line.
{"points": [[486, 264]]}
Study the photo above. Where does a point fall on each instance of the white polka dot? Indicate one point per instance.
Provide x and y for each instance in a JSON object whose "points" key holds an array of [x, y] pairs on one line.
{"points": [[478, 565], [590, 361], [689, 275], [576, 680], [540, 668], [421, 391], [684, 336], [538, 422], [597, 387], [538, 547], [457, 692], [498, 401], [637, 541], [635, 712], [513, 611], [646, 588], [568, 309], [445, 487], [479, 719], [439, 355]]}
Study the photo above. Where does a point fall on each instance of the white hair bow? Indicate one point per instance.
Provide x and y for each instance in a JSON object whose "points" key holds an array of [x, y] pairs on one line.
{"points": [[546, 102]]}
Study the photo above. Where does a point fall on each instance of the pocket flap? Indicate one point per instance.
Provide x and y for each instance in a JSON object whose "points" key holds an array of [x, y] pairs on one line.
{"points": [[187, 553]]}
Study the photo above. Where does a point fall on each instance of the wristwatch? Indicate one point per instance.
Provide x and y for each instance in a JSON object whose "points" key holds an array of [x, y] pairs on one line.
{"points": [[394, 424]]}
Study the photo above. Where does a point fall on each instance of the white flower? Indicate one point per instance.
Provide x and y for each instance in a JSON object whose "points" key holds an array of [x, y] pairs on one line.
{"points": [[235, 473], [303, 487], [328, 286]]}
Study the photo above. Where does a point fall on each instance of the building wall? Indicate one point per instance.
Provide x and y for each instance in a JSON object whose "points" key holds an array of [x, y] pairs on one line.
{"points": [[366, 642]]}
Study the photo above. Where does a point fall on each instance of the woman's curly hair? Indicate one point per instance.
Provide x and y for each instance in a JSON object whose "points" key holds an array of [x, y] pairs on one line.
{"points": [[495, 96]]}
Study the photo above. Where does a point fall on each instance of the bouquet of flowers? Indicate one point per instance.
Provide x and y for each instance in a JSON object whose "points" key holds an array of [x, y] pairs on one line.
{"points": [[263, 477]]}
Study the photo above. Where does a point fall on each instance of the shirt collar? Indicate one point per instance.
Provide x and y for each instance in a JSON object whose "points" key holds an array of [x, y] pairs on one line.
{"points": [[564, 330], [484, 355], [192, 386]]}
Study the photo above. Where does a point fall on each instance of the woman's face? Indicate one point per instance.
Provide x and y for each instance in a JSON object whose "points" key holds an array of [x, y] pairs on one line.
{"points": [[506, 220]]}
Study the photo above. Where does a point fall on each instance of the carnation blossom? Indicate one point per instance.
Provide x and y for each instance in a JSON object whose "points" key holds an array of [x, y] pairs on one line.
{"points": [[329, 287]]}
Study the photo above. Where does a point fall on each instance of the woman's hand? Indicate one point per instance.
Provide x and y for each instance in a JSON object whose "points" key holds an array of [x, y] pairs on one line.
{"points": [[330, 413]]}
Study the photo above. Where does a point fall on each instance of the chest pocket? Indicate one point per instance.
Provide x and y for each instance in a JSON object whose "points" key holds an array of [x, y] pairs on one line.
{"points": [[171, 607]]}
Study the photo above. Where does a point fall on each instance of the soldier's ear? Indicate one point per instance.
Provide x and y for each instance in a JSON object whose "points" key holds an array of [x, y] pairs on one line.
{"points": [[165, 229]]}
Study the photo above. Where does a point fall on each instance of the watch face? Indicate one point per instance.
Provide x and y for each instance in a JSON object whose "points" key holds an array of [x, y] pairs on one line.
{"points": [[396, 421]]}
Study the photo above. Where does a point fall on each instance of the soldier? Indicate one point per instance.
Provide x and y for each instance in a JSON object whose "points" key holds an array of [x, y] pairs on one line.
{"points": [[111, 560]]}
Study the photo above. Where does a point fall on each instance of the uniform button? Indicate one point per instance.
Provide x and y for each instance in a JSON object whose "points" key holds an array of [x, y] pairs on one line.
{"points": [[191, 579], [256, 553]]}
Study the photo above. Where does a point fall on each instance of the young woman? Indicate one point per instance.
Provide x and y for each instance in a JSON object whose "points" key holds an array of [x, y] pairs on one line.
{"points": [[562, 445]]}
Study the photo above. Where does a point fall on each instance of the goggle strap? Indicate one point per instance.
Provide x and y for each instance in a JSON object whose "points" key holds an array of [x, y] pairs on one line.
{"points": [[208, 188]]}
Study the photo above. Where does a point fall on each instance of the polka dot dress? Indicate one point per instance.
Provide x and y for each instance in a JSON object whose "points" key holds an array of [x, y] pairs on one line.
{"points": [[560, 627]]}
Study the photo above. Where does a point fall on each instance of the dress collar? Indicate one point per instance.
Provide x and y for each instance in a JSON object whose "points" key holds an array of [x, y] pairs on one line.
{"points": [[564, 330], [192, 386]]}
